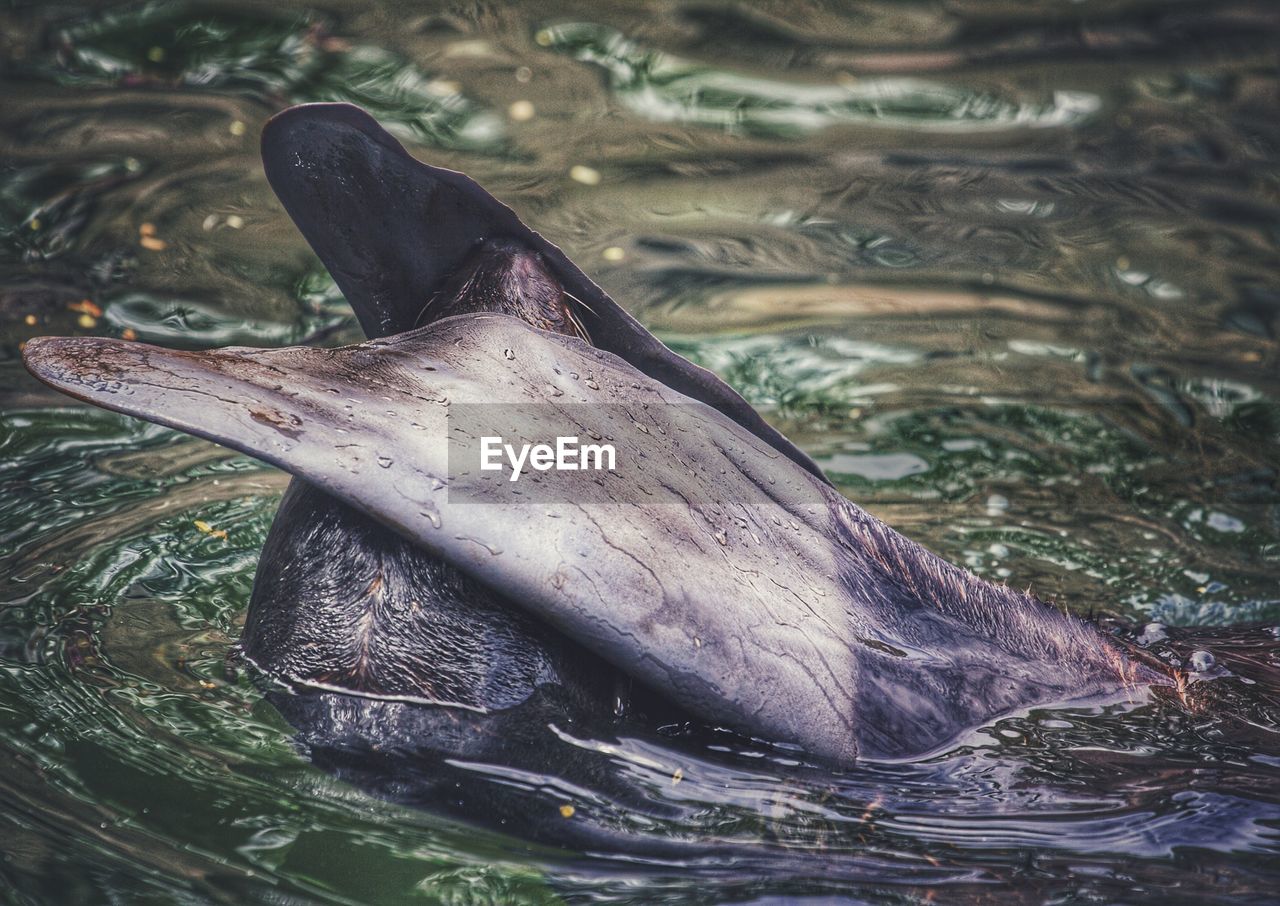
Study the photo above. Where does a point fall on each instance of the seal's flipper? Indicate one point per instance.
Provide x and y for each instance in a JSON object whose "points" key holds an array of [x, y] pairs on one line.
{"points": [[391, 229], [707, 565], [714, 624]]}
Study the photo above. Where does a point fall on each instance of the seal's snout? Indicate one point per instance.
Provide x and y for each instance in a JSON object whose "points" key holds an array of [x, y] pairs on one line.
{"points": [[529, 266], [515, 258], [508, 277]]}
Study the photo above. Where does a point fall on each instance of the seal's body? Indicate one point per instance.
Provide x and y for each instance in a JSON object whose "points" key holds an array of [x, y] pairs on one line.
{"points": [[722, 574], [340, 602]]}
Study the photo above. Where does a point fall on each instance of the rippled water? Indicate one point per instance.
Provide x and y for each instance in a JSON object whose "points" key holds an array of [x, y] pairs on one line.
{"points": [[1009, 271]]}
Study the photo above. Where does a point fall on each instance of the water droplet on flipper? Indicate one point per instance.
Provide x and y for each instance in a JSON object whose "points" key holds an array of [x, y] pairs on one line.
{"points": [[1201, 661]]}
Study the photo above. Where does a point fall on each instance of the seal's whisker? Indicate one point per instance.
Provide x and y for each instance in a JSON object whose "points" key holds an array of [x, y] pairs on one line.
{"points": [[580, 329], [580, 302], [417, 322]]}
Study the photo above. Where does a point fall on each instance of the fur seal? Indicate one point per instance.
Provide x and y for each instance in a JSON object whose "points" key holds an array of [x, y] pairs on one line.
{"points": [[721, 573]]}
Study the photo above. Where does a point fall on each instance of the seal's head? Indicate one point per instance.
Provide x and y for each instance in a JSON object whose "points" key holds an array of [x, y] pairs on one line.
{"points": [[507, 277]]}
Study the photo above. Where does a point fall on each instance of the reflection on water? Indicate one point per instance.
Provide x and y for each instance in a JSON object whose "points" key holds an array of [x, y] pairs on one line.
{"points": [[298, 58], [1009, 271], [661, 87]]}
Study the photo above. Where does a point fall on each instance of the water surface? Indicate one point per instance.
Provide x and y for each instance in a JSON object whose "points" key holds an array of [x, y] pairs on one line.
{"points": [[1008, 271]]}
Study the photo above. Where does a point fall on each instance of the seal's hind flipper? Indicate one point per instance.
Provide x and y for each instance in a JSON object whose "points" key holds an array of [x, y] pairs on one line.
{"points": [[391, 229], [741, 624], [708, 566]]}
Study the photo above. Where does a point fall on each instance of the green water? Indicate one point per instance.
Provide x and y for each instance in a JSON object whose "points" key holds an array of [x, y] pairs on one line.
{"points": [[1008, 271]]}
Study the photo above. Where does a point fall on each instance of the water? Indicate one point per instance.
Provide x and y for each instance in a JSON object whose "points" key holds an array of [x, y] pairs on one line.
{"points": [[1009, 272]]}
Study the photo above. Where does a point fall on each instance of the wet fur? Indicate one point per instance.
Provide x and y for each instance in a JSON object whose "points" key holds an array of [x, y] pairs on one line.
{"points": [[505, 277], [998, 641], [343, 603]]}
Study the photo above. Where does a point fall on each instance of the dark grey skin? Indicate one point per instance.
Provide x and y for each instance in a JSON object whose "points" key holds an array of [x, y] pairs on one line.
{"points": [[719, 570]]}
